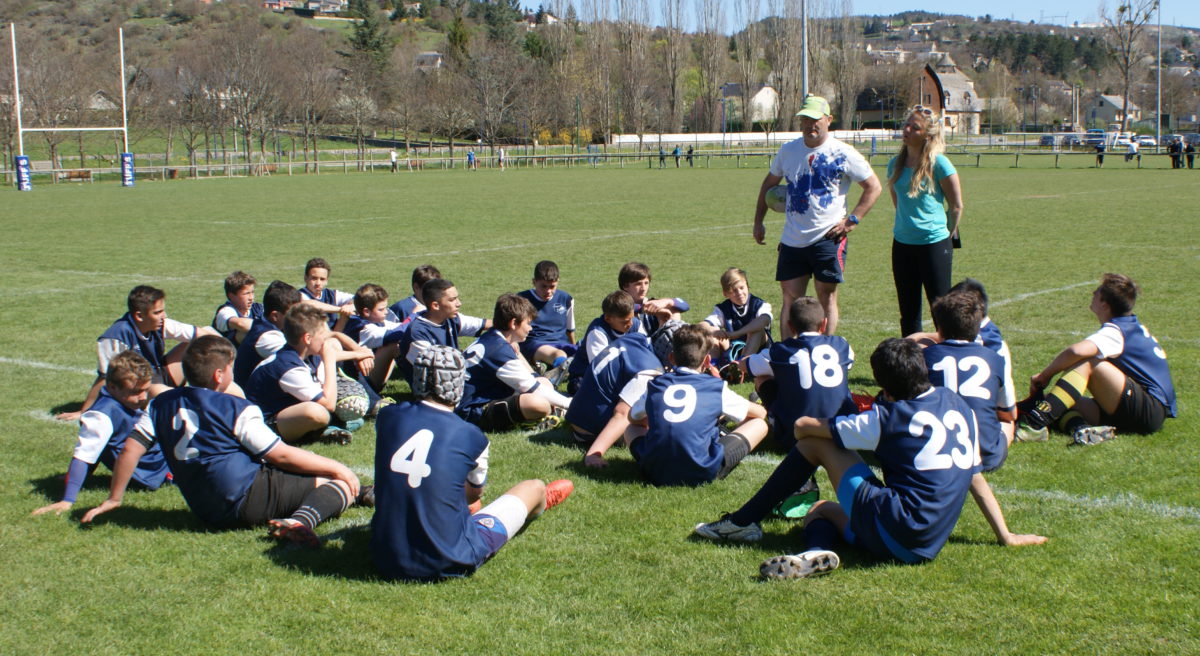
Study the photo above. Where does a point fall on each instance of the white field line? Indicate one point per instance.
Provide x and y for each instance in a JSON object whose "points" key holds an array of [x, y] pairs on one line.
{"points": [[1125, 501], [42, 415], [33, 364], [1041, 292], [310, 224], [591, 238]]}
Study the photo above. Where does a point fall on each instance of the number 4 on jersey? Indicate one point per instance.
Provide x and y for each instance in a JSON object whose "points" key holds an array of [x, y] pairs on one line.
{"points": [[410, 457]]}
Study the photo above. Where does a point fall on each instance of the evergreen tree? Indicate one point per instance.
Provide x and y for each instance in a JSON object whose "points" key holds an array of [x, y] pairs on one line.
{"points": [[370, 37]]}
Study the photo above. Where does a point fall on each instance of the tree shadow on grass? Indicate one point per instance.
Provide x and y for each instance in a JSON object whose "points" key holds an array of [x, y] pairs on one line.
{"points": [[344, 554]]}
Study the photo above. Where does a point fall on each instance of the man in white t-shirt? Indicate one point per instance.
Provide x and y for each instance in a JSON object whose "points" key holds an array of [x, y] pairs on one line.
{"points": [[818, 170]]}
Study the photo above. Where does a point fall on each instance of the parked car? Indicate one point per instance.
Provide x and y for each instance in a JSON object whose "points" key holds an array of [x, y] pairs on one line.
{"points": [[1048, 140], [1070, 140], [1146, 140], [1192, 138], [1093, 137], [1122, 139]]}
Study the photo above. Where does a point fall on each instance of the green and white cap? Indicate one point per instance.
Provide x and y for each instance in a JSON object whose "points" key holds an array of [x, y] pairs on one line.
{"points": [[814, 107]]}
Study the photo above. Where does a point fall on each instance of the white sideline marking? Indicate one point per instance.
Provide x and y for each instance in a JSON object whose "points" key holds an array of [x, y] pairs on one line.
{"points": [[1123, 501], [42, 415], [45, 365], [1040, 292]]}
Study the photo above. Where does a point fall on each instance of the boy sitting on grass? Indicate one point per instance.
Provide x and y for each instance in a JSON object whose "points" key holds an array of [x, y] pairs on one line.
{"points": [[611, 386], [431, 467], [104, 427], [231, 469], [682, 443], [552, 339], [403, 310], [1121, 365], [439, 324], [371, 329], [265, 336], [925, 440], [744, 318], [339, 305], [634, 279], [616, 319], [976, 373], [235, 316], [501, 390], [145, 330], [297, 386]]}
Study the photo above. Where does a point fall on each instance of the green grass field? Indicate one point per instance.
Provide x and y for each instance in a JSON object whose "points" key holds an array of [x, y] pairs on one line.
{"points": [[613, 571]]}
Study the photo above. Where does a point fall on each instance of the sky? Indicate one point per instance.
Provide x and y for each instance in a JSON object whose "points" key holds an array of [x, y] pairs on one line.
{"points": [[1183, 13]]}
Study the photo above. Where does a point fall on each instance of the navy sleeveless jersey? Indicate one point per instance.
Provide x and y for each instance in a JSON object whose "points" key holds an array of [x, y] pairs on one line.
{"points": [[604, 334], [249, 354], [1145, 361], [735, 318], [494, 372], [680, 446], [551, 323], [422, 528], [266, 385], [150, 346], [256, 312], [810, 370], [976, 373], [213, 443], [928, 449], [592, 406], [102, 433]]}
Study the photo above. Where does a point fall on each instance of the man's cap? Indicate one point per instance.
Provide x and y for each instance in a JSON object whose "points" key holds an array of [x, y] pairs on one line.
{"points": [[814, 107]]}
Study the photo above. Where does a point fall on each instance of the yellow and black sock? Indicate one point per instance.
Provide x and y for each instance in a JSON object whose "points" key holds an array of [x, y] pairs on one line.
{"points": [[1060, 398]]}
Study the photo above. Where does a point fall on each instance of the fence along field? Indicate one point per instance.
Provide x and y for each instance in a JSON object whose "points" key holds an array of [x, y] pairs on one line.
{"points": [[613, 570]]}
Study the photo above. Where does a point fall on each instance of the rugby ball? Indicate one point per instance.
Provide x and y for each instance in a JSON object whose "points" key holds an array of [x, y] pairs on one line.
{"points": [[352, 400], [777, 198]]}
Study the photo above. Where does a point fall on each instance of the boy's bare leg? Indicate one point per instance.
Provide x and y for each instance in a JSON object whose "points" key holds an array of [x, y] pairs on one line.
{"points": [[986, 500], [301, 419], [385, 359], [754, 430]]}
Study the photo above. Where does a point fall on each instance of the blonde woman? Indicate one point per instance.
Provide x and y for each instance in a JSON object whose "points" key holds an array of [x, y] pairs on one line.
{"points": [[925, 190]]}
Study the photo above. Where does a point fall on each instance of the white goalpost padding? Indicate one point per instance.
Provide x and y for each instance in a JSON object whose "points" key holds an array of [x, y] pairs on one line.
{"points": [[22, 162]]}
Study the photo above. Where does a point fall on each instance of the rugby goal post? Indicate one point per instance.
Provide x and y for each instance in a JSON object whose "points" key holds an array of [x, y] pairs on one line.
{"points": [[21, 161]]}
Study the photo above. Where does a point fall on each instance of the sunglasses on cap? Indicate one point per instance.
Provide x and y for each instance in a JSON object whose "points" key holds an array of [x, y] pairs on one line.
{"points": [[924, 110]]}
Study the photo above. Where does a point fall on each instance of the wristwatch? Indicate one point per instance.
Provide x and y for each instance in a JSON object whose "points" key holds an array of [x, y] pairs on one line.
{"points": [[852, 219]]}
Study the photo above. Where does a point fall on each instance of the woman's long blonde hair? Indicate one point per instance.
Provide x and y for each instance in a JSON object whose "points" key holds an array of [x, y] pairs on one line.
{"points": [[922, 176]]}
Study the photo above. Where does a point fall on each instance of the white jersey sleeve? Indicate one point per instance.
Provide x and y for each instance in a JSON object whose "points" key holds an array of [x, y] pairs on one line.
{"points": [[178, 331], [144, 426], [715, 318], [860, 432], [299, 382], [478, 476], [251, 432], [1008, 391], [341, 298], [106, 349], [224, 314], [269, 343], [470, 326], [759, 364], [636, 387], [594, 343], [733, 405], [1109, 340], [517, 375], [95, 429]]}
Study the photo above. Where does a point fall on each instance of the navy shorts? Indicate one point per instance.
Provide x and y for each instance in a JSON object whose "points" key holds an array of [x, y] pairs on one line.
{"points": [[861, 495], [493, 533], [824, 260], [1137, 411]]}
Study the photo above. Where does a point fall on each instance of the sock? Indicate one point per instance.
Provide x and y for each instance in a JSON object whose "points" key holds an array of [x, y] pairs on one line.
{"points": [[768, 392], [1060, 398], [558, 361], [787, 477], [1071, 422], [820, 534], [322, 503]]}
